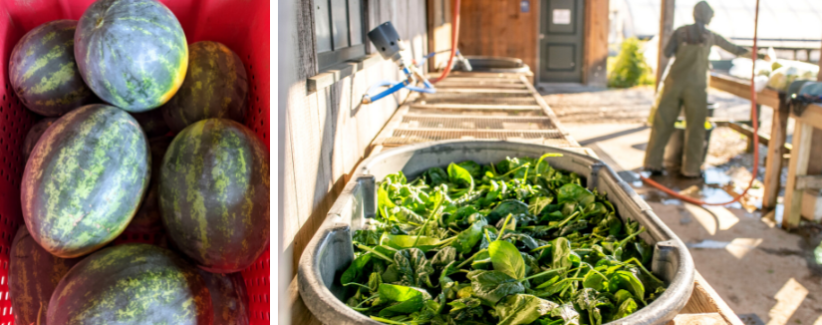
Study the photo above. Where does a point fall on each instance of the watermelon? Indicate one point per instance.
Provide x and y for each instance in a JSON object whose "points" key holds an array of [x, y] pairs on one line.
{"points": [[131, 284], [228, 296], [34, 134], [132, 53], [214, 195], [216, 86], [84, 180], [152, 123], [147, 219], [43, 73], [33, 275]]}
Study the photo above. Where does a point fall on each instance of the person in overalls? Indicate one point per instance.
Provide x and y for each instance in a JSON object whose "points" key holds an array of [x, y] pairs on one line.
{"points": [[686, 86]]}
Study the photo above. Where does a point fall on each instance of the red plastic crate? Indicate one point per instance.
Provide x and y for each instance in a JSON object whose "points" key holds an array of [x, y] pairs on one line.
{"points": [[242, 25]]}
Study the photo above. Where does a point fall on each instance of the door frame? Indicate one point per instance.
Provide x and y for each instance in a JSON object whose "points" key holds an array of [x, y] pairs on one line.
{"points": [[594, 42]]}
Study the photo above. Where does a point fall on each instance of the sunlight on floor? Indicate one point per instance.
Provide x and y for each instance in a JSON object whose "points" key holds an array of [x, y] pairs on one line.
{"points": [[739, 247], [788, 300], [712, 218]]}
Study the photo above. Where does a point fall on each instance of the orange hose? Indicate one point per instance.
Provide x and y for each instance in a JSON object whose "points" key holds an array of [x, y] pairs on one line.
{"points": [[755, 136], [455, 26]]}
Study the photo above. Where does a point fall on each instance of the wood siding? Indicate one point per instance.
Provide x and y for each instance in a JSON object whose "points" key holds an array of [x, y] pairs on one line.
{"points": [[499, 28], [595, 58], [328, 131]]}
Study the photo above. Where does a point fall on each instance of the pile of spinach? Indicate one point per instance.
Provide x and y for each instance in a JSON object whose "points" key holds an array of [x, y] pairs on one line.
{"points": [[516, 242]]}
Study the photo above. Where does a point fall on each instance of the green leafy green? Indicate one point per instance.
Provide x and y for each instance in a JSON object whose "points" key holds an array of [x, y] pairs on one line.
{"points": [[407, 299], [506, 258], [523, 309], [492, 286], [515, 242]]}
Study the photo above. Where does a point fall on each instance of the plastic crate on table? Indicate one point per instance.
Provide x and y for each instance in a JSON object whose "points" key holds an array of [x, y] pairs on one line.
{"points": [[243, 26]]}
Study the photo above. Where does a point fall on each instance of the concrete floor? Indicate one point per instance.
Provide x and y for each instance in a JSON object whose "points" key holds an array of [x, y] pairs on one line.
{"points": [[757, 268]]}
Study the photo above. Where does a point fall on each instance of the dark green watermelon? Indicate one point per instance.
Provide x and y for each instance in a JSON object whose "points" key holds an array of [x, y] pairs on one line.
{"points": [[131, 284], [33, 275], [131, 53], [147, 219], [214, 195], [228, 296], [216, 86], [85, 180], [43, 73], [152, 123], [34, 134]]}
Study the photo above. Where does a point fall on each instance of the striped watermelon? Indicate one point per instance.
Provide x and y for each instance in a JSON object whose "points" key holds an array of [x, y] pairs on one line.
{"points": [[228, 296], [216, 86], [34, 134], [33, 275], [43, 73], [147, 219], [132, 53], [214, 195], [131, 284], [84, 180]]}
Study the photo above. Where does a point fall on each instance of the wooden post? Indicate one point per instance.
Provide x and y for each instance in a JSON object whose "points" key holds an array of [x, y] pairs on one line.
{"points": [[800, 155], [773, 165], [666, 28]]}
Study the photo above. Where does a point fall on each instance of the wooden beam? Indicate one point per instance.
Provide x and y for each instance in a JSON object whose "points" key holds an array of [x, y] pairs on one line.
{"points": [[811, 116], [742, 88], [482, 91], [798, 166], [698, 319], [809, 182], [502, 107], [666, 29], [773, 165], [595, 50]]}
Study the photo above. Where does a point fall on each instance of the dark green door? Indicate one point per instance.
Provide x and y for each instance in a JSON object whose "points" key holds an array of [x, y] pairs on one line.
{"points": [[560, 41]]}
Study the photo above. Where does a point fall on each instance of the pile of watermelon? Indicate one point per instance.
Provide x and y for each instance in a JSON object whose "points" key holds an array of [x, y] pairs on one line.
{"points": [[140, 133]]}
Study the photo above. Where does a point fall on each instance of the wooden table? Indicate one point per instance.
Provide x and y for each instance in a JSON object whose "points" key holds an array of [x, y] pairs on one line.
{"points": [[771, 98]]}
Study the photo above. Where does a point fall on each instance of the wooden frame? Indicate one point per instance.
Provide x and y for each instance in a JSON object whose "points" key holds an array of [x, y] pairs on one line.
{"points": [[798, 178]]}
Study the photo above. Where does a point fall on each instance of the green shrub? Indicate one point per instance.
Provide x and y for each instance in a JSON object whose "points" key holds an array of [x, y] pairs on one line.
{"points": [[629, 68]]}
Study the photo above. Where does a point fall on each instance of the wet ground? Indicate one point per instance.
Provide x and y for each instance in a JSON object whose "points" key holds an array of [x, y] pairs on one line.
{"points": [[759, 269]]}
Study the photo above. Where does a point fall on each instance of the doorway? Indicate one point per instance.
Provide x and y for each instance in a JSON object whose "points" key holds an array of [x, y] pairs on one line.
{"points": [[561, 41]]}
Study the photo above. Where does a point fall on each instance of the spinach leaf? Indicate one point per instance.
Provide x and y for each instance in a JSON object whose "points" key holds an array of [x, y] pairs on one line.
{"points": [[356, 269], [594, 280], [628, 281], [472, 167], [506, 258], [567, 313], [445, 256], [460, 217], [627, 308], [466, 308], [561, 256], [538, 204], [413, 267], [406, 299], [404, 241], [468, 238], [512, 207], [522, 309], [460, 177], [586, 299], [492, 286], [435, 176], [574, 193]]}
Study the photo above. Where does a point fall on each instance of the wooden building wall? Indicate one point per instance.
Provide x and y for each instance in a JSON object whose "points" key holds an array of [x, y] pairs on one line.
{"points": [[500, 28], [325, 132]]}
